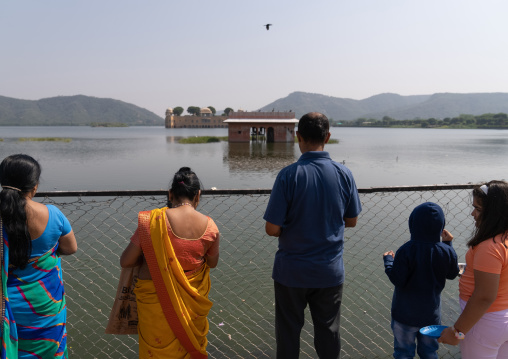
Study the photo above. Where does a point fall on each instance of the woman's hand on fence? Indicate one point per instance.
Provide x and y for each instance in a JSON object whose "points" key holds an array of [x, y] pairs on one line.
{"points": [[389, 253], [448, 337], [447, 236]]}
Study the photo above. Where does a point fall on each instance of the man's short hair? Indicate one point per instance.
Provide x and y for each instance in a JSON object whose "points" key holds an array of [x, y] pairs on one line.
{"points": [[314, 127]]}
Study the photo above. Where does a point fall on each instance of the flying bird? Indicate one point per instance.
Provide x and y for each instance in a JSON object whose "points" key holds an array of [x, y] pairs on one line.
{"points": [[268, 26]]}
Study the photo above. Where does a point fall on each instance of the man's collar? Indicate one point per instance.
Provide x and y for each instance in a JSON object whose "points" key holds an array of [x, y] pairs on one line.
{"points": [[314, 154]]}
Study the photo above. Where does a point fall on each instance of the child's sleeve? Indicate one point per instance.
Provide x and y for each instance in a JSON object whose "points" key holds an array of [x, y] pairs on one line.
{"points": [[388, 260], [397, 269], [453, 271]]}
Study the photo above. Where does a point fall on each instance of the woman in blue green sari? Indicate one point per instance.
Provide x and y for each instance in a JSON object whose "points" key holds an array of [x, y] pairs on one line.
{"points": [[33, 236]]}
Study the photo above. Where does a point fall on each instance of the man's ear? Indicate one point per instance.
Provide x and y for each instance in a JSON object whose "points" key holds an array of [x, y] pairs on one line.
{"points": [[300, 139], [328, 137]]}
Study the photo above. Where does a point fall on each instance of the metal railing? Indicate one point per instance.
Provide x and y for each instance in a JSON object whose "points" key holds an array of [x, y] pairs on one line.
{"points": [[242, 317]]}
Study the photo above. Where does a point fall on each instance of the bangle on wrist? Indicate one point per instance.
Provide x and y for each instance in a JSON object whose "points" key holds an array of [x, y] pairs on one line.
{"points": [[458, 334]]}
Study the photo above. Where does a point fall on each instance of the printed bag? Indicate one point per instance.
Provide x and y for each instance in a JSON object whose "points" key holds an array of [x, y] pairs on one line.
{"points": [[123, 318]]}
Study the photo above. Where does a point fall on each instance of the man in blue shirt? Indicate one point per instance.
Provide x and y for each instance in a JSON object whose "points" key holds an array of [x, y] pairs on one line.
{"points": [[312, 201]]}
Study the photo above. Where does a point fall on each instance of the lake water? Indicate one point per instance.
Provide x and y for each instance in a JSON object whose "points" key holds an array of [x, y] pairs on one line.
{"points": [[145, 158], [138, 158]]}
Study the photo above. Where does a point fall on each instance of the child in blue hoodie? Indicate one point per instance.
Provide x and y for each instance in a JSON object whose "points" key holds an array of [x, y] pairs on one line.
{"points": [[419, 271]]}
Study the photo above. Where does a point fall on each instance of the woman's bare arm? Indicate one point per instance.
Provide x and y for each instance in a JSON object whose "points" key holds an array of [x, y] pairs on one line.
{"points": [[67, 244], [131, 256], [212, 261]]}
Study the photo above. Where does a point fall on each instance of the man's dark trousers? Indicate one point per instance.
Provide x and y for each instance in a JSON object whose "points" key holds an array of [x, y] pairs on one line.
{"points": [[324, 305]]}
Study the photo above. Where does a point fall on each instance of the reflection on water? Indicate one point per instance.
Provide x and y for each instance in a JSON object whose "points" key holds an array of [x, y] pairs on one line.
{"points": [[491, 141], [258, 156], [173, 139]]}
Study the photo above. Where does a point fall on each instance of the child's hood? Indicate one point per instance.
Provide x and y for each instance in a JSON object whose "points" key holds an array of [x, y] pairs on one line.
{"points": [[426, 222]]}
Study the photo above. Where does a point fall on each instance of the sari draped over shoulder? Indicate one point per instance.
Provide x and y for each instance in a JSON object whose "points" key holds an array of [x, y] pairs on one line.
{"points": [[36, 296], [172, 307]]}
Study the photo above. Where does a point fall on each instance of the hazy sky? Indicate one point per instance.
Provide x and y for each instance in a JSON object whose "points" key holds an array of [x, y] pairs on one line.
{"points": [[167, 53]]}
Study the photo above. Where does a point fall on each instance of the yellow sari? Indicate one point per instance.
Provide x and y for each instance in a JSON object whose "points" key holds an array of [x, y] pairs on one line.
{"points": [[172, 307]]}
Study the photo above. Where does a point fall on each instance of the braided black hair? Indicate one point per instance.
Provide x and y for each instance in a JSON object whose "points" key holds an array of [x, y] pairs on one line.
{"points": [[19, 174]]}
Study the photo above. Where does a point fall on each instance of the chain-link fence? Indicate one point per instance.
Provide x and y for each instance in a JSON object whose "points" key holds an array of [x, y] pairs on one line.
{"points": [[242, 317]]}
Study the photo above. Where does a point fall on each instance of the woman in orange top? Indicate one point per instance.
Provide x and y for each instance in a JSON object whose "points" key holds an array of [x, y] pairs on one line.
{"points": [[482, 328], [172, 295]]}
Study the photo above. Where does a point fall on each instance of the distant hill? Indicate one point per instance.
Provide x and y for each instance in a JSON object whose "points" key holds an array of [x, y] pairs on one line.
{"points": [[73, 110], [439, 105], [442, 105], [84, 110]]}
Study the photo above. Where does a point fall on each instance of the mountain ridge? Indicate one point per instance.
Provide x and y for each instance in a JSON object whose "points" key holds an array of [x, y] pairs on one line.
{"points": [[438, 105], [79, 110], [73, 110]]}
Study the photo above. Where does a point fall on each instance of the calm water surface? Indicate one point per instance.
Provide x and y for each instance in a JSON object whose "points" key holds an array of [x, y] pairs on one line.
{"points": [[146, 157], [137, 158]]}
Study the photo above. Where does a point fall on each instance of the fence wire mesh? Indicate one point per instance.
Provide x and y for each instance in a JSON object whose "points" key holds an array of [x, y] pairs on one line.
{"points": [[242, 317]]}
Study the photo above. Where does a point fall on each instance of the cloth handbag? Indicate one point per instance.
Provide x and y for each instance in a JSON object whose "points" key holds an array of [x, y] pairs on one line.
{"points": [[123, 318]]}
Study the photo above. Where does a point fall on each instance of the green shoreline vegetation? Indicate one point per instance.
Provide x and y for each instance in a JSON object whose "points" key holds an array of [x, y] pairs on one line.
{"points": [[108, 124], [50, 139], [202, 139], [209, 139], [485, 121]]}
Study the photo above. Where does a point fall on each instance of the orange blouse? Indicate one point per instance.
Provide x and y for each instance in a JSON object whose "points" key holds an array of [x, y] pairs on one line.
{"points": [[489, 256], [191, 252]]}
